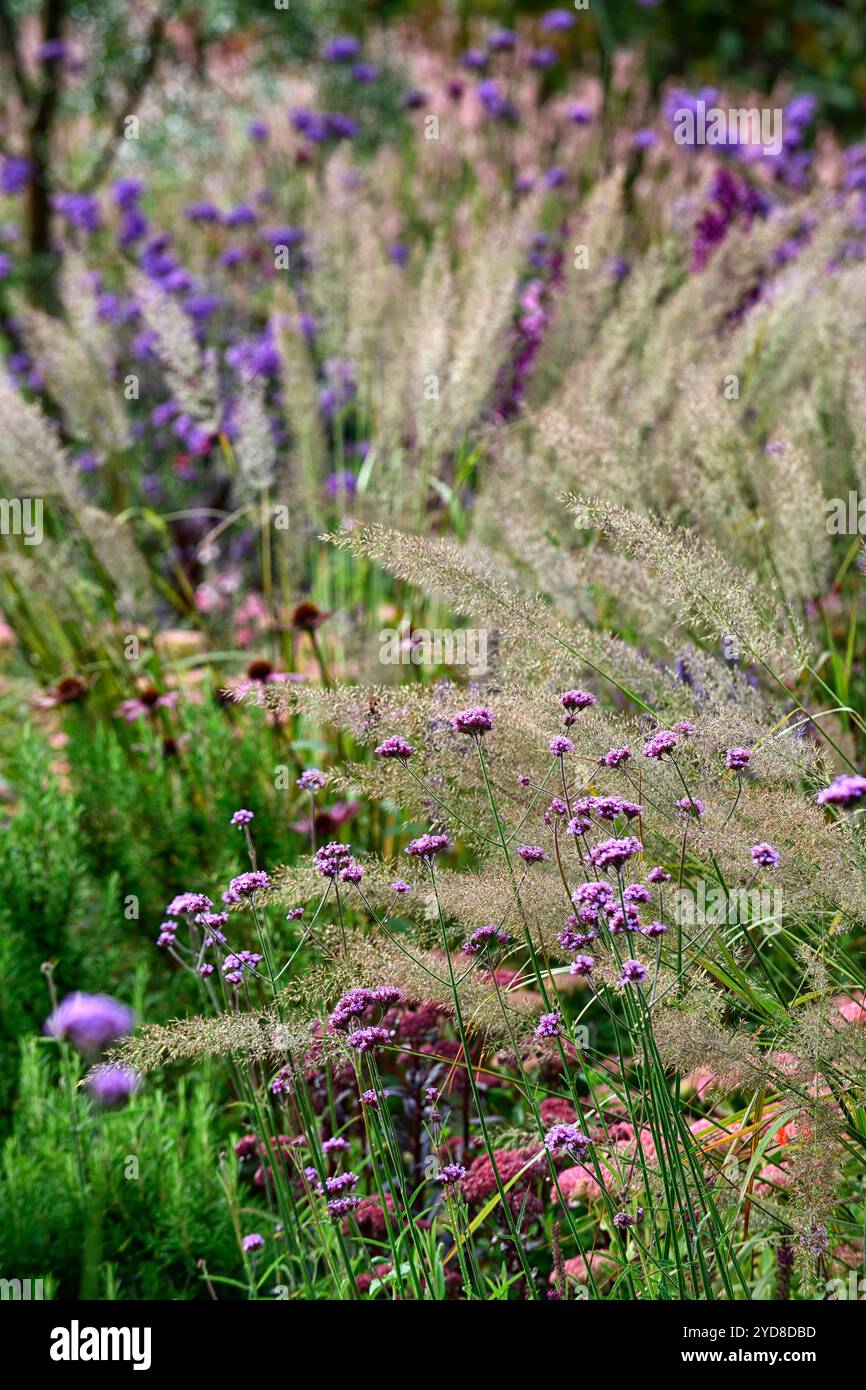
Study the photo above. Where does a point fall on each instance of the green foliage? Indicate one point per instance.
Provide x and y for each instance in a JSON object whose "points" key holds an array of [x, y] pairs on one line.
{"points": [[155, 1205]]}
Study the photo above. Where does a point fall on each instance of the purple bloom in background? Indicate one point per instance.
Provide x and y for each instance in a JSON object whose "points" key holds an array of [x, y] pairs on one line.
{"points": [[549, 1026], [557, 21], [341, 49], [112, 1085], [5, 266], [365, 72], [188, 902], [843, 791], [582, 965], [645, 139], [241, 216], [126, 193], [15, 174], [89, 1021], [398, 252], [258, 131], [242, 817], [575, 700], [401, 886], [580, 114], [554, 178], [80, 210], [474, 59], [252, 1242], [414, 99], [133, 226], [312, 780], [484, 937], [544, 57], [204, 211], [765, 855], [341, 484], [340, 126], [501, 40]]}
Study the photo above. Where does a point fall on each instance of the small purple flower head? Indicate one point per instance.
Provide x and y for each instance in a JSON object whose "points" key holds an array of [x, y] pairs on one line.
{"points": [[737, 758], [353, 873], [295, 914], [245, 885], [560, 745], [614, 853], [311, 780], [582, 965], [557, 21], [112, 1085], [765, 855], [342, 49], [242, 818], [369, 1098], [252, 1242], [331, 858], [665, 741], [654, 929], [636, 893], [341, 1206], [595, 896], [484, 938], [658, 875], [166, 934], [575, 700], [334, 1145], [205, 970], [188, 902], [475, 721], [614, 757], [451, 1174], [366, 1039], [549, 1026], [685, 727], [843, 791], [632, 972], [401, 886], [624, 1219], [531, 854], [89, 1021], [395, 747], [426, 846], [566, 1139], [691, 806]]}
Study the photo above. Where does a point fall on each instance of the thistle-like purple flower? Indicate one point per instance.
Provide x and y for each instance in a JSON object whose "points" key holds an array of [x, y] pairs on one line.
{"points": [[89, 1021], [665, 741], [312, 780], [614, 853], [426, 846], [566, 1139], [737, 758], [632, 972], [476, 721], [765, 855], [395, 747]]}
